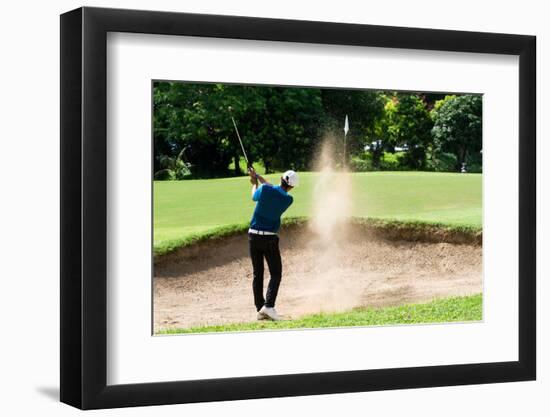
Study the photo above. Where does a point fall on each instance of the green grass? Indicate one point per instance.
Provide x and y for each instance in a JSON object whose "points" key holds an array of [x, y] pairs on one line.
{"points": [[455, 309], [224, 231], [188, 210]]}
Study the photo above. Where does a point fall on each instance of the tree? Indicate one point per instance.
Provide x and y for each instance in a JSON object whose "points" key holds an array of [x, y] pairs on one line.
{"points": [[290, 128], [408, 124], [195, 117], [431, 99], [458, 129], [194, 136], [384, 133], [277, 125], [363, 107]]}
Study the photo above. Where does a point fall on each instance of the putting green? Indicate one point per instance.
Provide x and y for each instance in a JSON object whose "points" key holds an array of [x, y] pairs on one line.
{"points": [[193, 207]]}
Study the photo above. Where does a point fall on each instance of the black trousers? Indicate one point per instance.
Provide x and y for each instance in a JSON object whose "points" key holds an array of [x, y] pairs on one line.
{"points": [[265, 246]]}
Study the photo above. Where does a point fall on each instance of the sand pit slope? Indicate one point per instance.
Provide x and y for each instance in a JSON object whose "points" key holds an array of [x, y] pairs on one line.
{"points": [[211, 283]]}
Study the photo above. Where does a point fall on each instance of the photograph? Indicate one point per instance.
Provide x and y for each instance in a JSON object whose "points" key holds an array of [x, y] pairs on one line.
{"points": [[301, 207]]}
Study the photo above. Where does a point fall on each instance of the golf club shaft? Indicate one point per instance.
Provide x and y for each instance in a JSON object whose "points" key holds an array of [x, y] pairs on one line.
{"points": [[241, 142]]}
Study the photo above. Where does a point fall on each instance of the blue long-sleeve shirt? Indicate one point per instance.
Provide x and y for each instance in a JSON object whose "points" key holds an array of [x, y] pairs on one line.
{"points": [[271, 203]]}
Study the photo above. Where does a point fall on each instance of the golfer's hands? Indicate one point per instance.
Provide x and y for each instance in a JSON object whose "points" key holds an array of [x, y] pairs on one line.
{"points": [[253, 176], [257, 178]]}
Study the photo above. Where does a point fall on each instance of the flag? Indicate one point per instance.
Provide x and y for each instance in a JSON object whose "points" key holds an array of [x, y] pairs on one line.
{"points": [[346, 126]]}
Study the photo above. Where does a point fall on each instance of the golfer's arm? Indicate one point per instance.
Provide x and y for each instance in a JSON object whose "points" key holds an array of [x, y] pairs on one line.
{"points": [[262, 180], [254, 188]]}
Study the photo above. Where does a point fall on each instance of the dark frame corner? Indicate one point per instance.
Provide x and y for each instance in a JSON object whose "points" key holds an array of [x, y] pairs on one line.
{"points": [[83, 207]]}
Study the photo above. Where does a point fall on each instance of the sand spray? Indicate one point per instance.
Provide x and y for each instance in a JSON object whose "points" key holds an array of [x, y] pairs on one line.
{"points": [[332, 199], [328, 237]]}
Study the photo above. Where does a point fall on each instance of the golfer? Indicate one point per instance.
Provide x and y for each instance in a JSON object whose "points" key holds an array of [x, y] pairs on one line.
{"points": [[271, 202]]}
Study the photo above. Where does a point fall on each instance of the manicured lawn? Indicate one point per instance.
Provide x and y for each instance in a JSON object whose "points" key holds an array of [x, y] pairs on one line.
{"points": [[186, 209], [456, 309]]}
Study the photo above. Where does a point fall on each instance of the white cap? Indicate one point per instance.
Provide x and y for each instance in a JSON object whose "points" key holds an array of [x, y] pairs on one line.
{"points": [[291, 178]]}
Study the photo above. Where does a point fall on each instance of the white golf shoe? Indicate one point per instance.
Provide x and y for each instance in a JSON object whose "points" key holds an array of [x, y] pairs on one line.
{"points": [[270, 313], [261, 316]]}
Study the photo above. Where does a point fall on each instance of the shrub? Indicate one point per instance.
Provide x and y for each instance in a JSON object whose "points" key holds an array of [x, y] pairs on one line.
{"points": [[392, 161], [442, 161], [458, 129], [361, 164], [164, 175], [388, 162]]}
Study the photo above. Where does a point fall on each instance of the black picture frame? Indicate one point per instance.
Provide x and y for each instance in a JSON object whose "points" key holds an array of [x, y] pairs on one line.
{"points": [[84, 207]]}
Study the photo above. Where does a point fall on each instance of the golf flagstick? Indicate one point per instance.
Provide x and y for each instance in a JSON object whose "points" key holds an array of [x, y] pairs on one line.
{"points": [[346, 130]]}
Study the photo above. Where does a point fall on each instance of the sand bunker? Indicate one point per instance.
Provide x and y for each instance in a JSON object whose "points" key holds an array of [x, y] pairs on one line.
{"points": [[211, 283]]}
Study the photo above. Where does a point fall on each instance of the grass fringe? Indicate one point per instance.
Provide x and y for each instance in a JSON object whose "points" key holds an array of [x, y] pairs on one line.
{"points": [[170, 246], [443, 310]]}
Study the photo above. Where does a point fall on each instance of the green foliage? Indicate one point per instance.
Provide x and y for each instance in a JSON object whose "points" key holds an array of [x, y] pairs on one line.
{"points": [[387, 161], [442, 162], [278, 125], [286, 136], [172, 168], [474, 164], [447, 310], [193, 121], [407, 123], [258, 166], [458, 130], [281, 127], [441, 102], [393, 161], [362, 164], [363, 108]]}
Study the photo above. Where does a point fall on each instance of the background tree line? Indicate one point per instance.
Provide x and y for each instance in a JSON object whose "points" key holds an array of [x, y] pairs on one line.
{"points": [[280, 127]]}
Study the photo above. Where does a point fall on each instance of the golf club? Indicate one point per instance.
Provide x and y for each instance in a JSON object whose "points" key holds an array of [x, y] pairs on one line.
{"points": [[239, 137]]}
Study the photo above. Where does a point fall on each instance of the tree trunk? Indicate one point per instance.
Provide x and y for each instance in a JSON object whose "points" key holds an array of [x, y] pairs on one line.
{"points": [[376, 158], [236, 160], [461, 158]]}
